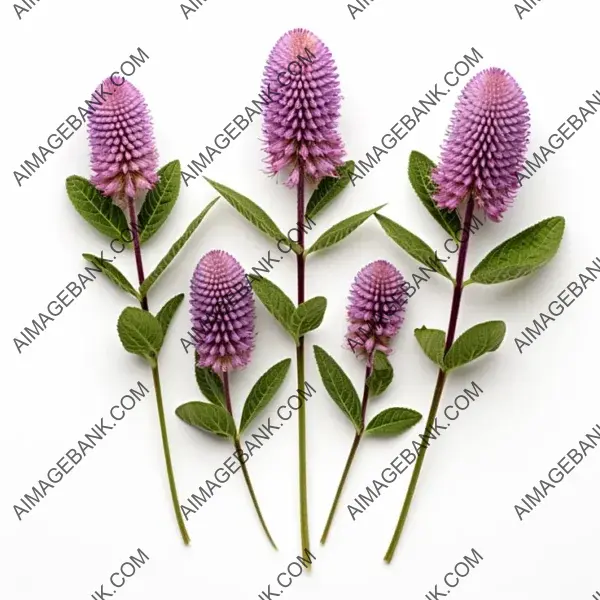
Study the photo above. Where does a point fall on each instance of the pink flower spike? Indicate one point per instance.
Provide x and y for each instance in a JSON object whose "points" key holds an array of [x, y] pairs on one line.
{"points": [[486, 144], [124, 156], [222, 311], [376, 310], [300, 84]]}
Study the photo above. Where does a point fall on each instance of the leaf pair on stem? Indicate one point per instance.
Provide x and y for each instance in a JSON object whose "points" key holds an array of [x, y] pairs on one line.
{"points": [[140, 332], [517, 257], [216, 415]]}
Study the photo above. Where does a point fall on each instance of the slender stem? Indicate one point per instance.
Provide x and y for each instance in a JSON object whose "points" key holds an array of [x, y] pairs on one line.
{"points": [[355, 443], [156, 378], [167, 453], [441, 379], [302, 471], [238, 448]]}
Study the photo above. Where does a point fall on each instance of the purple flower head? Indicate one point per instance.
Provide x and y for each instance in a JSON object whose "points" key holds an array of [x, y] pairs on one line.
{"points": [[124, 157], [222, 311], [485, 146], [301, 86], [376, 309]]}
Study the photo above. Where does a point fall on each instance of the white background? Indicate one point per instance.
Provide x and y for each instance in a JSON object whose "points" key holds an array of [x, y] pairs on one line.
{"points": [[201, 73]]}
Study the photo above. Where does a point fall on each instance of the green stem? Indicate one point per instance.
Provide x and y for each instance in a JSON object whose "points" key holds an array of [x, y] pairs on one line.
{"points": [[441, 379], [437, 395], [336, 500], [353, 449], [238, 448], [165, 441], [156, 378], [302, 470]]}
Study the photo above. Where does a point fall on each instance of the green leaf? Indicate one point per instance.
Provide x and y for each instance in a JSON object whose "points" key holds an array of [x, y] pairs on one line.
{"points": [[522, 254], [419, 174], [308, 316], [329, 189], [432, 341], [98, 210], [392, 421], [253, 213], [167, 312], [140, 333], [339, 386], [381, 375], [208, 417], [263, 391], [276, 302], [343, 229], [174, 251], [473, 343], [210, 384], [160, 201], [413, 245], [112, 273]]}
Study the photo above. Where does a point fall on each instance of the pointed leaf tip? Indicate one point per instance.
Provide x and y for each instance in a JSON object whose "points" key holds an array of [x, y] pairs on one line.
{"points": [[97, 209], [342, 230], [160, 200], [263, 391], [392, 421], [167, 312], [208, 417], [420, 168], [522, 254], [112, 273]]}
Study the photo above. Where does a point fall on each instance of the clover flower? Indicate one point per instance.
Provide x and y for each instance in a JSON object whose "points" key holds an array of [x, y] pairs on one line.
{"points": [[376, 310], [124, 157], [485, 146], [300, 123], [222, 311]]}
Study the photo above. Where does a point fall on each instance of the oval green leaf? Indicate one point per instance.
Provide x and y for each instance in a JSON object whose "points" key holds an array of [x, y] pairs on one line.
{"points": [[308, 316], [263, 391], [338, 386], [343, 229], [328, 189], [254, 214], [413, 245], [160, 201], [207, 417], [432, 341], [475, 342], [392, 421], [112, 273], [98, 210], [210, 384], [381, 375], [167, 312], [275, 301], [140, 333], [419, 175], [522, 254], [174, 251]]}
